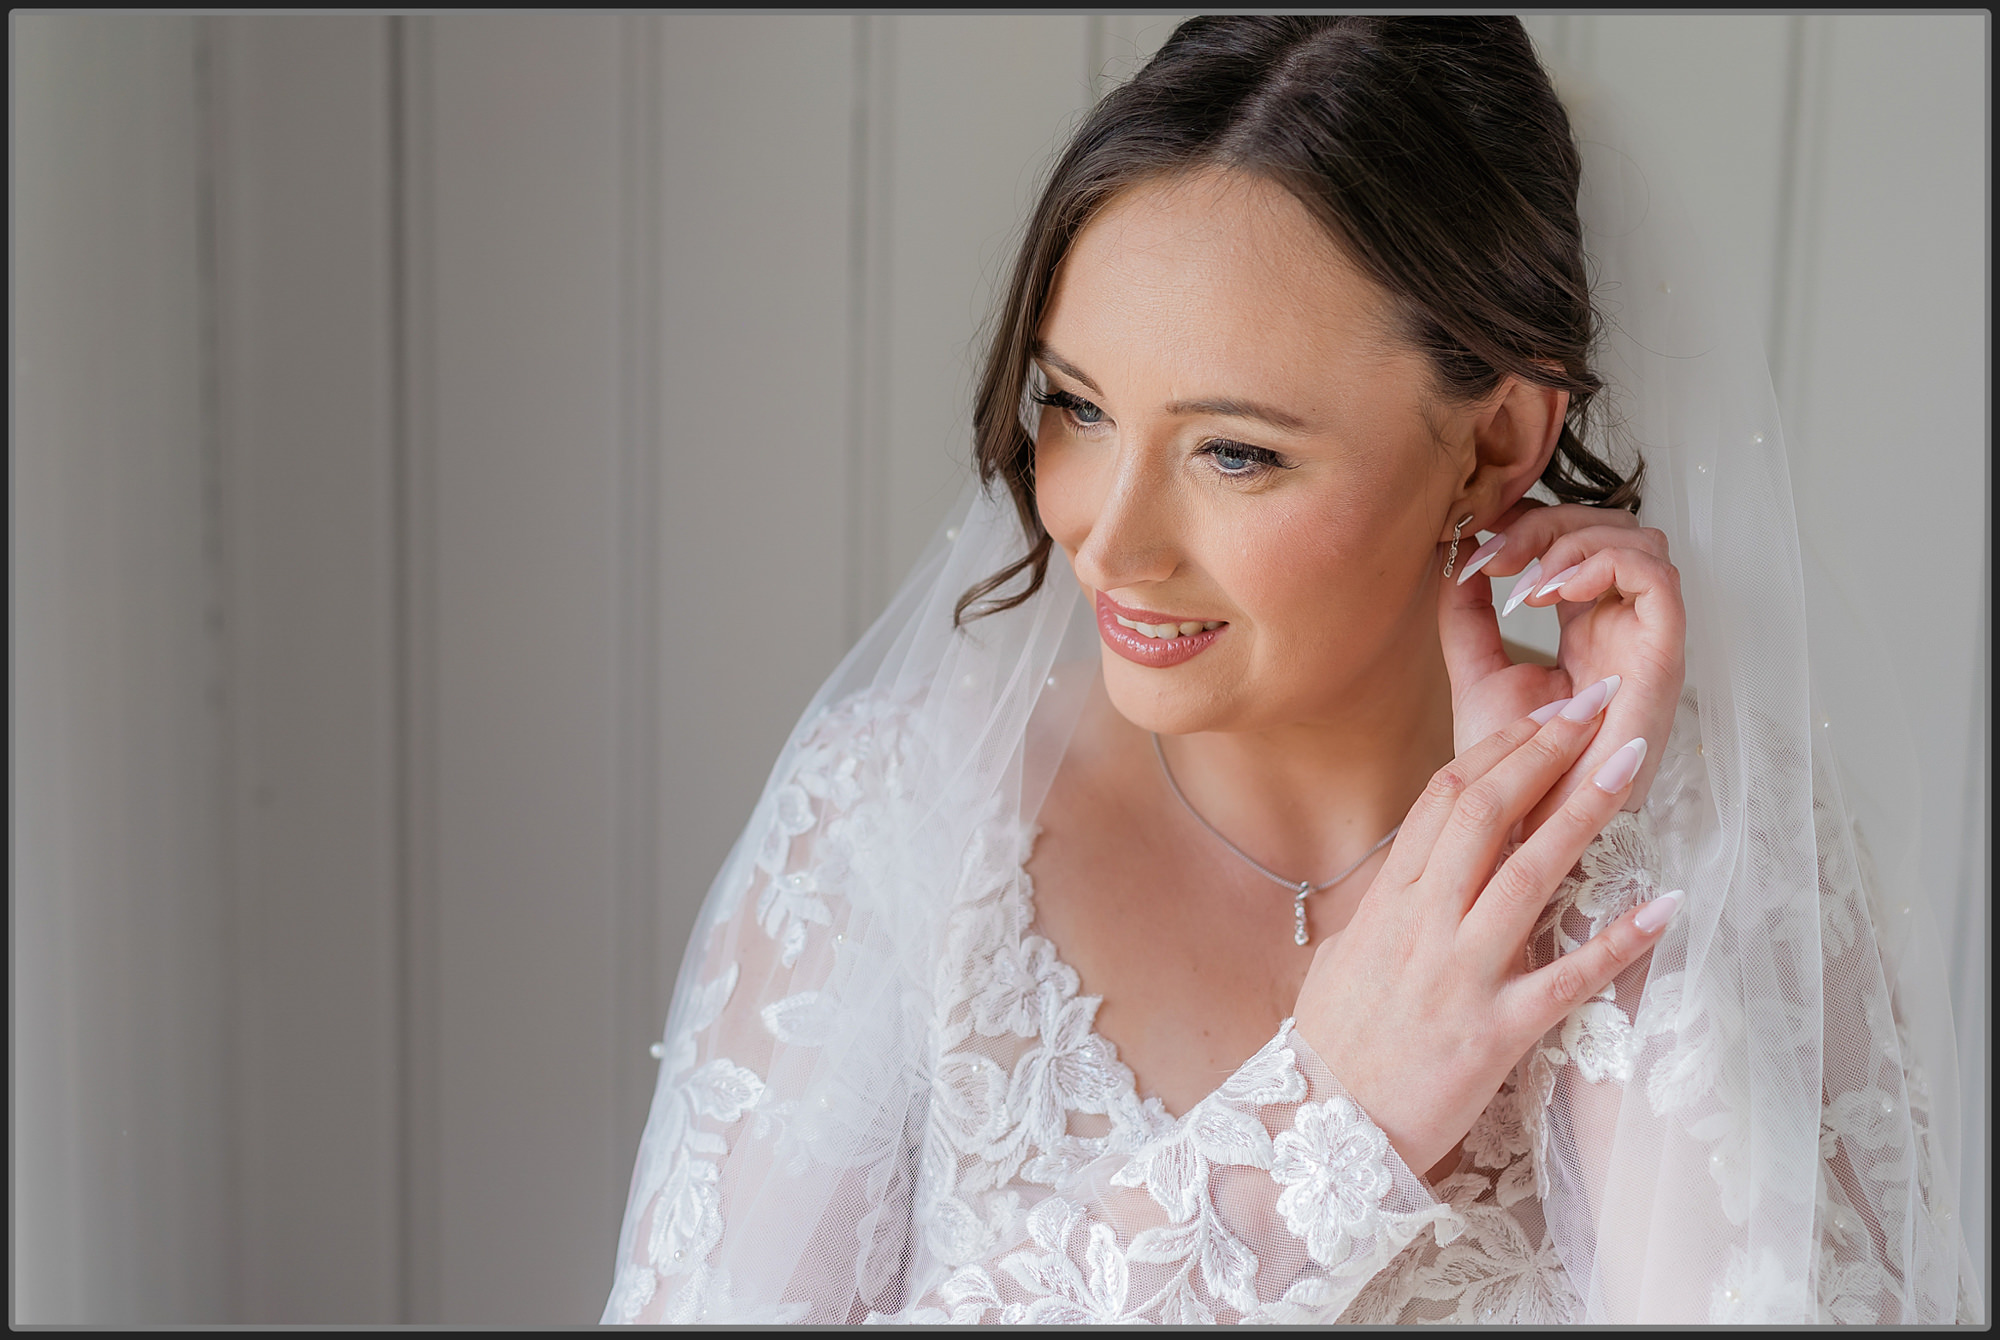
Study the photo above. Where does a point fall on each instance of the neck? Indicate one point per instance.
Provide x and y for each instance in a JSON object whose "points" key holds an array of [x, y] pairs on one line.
{"points": [[1307, 799]]}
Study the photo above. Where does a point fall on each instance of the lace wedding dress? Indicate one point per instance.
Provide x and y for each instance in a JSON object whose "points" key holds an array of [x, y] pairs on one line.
{"points": [[882, 1095], [1016, 1174]]}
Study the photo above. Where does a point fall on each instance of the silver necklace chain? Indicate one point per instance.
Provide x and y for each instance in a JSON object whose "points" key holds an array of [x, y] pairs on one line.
{"points": [[1299, 888]]}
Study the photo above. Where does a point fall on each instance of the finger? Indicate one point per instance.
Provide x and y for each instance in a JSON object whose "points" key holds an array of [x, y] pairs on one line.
{"points": [[1463, 855], [1527, 532], [1427, 818], [1650, 658], [1469, 630], [1536, 1002], [1584, 565], [1519, 890], [1499, 530], [1646, 706], [1468, 625]]}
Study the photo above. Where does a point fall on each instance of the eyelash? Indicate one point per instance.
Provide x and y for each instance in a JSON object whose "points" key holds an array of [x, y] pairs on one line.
{"points": [[1069, 404], [1262, 457]]}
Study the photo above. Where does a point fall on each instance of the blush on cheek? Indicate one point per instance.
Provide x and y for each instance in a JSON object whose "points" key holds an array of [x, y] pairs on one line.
{"points": [[1297, 568], [1067, 498], [1326, 593]]}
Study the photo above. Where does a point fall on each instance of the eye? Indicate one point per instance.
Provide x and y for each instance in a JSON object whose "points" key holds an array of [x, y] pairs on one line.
{"points": [[1238, 460], [1079, 410]]}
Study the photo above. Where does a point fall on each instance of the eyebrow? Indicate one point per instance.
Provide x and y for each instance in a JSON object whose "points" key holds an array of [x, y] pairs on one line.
{"points": [[1226, 405]]}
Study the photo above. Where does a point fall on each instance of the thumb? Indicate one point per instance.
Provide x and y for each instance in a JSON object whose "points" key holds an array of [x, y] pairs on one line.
{"points": [[1469, 629], [1468, 625]]}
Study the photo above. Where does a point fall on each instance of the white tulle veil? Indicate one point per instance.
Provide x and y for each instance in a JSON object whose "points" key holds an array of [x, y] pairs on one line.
{"points": [[1775, 1024]]}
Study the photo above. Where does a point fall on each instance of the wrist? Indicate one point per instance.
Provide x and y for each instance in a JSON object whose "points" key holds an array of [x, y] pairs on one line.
{"points": [[1328, 1074]]}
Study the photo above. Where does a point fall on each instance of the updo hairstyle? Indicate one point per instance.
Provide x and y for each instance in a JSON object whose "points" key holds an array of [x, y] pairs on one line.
{"points": [[1435, 152]]}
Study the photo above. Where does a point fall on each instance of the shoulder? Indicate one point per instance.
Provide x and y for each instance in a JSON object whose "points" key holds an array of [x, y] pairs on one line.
{"points": [[853, 748], [857, 724], [853, 803]]}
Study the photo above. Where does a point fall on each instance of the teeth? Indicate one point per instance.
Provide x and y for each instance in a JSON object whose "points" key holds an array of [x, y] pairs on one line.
{"points": [[1168, 631]]}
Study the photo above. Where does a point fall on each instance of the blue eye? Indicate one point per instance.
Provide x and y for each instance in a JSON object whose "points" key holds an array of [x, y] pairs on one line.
{"points": [[1076, 407], [1235, 460]]}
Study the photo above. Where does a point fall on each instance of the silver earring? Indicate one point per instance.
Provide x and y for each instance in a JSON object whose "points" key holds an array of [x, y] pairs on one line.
{"points": [[1451, 559]]}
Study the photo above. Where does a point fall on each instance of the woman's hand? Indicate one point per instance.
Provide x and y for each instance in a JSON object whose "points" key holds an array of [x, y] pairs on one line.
{"points": [[1422, 1004], [1620, 605]]}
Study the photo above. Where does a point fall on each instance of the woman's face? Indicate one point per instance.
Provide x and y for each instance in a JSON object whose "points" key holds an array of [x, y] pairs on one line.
{"points": [[1237, 444]]}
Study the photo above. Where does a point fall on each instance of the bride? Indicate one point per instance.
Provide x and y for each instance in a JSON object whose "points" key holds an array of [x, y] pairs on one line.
{"points": [[1184, 906]]}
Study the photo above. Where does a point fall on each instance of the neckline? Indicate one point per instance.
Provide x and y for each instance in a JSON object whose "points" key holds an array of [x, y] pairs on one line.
{"points": [[1144, 1105]]}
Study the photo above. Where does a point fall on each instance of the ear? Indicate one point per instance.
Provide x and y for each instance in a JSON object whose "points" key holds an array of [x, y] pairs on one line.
{"points": [[1513, 435]]}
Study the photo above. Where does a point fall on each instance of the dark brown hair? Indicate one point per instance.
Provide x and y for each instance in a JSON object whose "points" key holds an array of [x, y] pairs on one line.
{"points": [[1434, 150]]}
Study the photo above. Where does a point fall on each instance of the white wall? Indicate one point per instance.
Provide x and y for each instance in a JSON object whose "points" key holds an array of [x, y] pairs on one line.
{"points": [[119, 938], [449, 451], [299, 119]]}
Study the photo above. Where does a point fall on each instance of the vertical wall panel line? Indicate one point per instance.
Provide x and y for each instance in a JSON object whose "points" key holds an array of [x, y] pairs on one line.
{"points": [[886, 39], [220, 703], [857, 325], [859, 515], [1094, 56], [636, 1005], [873, 140], [869, 319], [1583, 31], [1790, 139], [419, 1286], [1798, 243]]}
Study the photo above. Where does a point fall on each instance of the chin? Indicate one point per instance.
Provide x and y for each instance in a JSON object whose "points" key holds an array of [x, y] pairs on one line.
{"points": [[1184, 700]]}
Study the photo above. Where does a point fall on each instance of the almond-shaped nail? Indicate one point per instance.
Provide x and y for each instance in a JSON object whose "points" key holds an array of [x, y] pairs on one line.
{"points": [[1591, 701], [1657, 913], [1481, 557], [1555, 583], [1524, 586], [1540, 716], [1619, 770]]}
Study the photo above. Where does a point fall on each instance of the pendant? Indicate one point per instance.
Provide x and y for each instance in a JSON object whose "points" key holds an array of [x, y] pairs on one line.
{"points": [[1299, 913]]}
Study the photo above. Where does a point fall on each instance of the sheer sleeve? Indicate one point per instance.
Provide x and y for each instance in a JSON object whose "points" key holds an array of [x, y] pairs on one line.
{"points": [[1888, 1248], [1275, 1199], [767, 1103], [1651, 1132]]}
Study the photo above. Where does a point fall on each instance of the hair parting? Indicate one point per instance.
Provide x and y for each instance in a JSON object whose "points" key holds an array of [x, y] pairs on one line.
{"points": [[1433, 149]]}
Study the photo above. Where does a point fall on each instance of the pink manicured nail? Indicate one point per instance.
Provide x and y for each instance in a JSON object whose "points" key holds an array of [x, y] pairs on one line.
{"points": [[1591, 701], [1540, 716], [1555, 583], [1658, 912], [1481, 557], [1619, 770], [1524, 586]]}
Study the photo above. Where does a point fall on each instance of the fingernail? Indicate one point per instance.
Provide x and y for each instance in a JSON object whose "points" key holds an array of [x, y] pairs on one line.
{"points": [[1524, 586], [1591, 701], [1540, 716], [1619, 770], [1658, 912], [1555, 583], [1481, 557]]}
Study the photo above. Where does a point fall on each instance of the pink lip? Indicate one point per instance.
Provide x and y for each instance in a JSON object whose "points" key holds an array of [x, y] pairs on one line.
{"points": [[1149, 651]]}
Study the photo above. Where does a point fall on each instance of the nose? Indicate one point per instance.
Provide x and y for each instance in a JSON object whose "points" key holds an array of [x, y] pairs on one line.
{"points": [[1131, 539]]}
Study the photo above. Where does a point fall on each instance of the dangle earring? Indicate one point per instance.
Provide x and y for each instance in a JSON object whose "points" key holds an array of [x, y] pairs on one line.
{"points": [[1451, 559]]}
